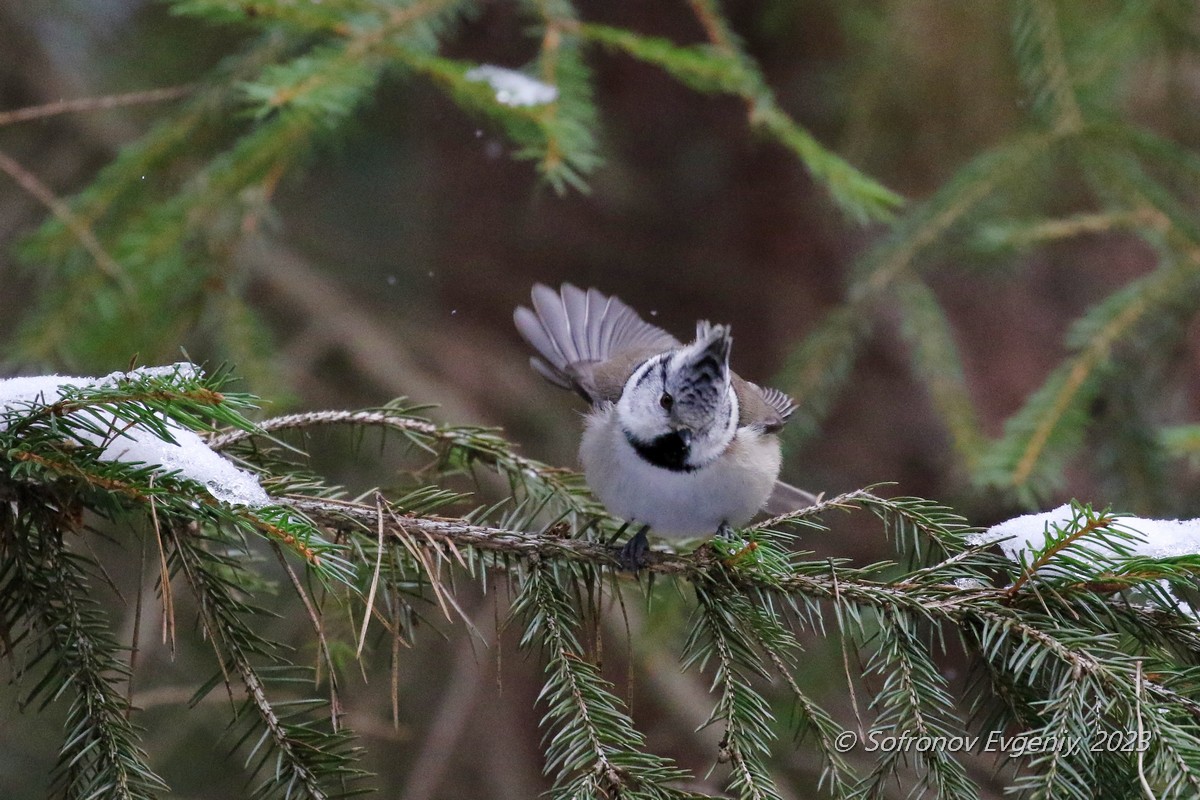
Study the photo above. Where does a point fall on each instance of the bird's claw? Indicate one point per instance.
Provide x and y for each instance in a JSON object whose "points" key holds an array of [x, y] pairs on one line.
{"points": [[633, 555]]}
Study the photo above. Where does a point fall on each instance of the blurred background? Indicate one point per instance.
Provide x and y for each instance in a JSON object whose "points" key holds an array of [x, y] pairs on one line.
{"points": [[386, 261]]}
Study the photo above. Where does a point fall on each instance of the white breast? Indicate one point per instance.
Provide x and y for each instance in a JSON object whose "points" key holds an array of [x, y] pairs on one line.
{"points": [[730, 489]]}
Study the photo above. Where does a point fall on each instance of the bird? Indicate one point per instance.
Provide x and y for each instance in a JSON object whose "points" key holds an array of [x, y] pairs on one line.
{"points": [[675, 441]]}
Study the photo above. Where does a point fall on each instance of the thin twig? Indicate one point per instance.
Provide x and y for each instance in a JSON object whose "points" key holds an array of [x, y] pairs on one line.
{"points": [[1091, 526], [1139, 683], [84, 104], [168, 625], [819, 505], [322, 643], [137, 632], [362, 636], [311, 419], [714, 28], [44, 195]]}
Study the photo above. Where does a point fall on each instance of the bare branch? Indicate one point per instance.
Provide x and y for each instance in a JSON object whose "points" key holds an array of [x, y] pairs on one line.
{"points": [[101, 103], [44, 195]]}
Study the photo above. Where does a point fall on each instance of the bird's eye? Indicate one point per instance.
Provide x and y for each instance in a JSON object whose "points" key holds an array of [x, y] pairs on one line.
{"points": [[666, 401]]}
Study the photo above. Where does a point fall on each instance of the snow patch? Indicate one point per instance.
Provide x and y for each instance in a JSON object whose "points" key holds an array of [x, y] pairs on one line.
{"points": [[187, 455], [1158, 538], [513, 88], [969, 584]]}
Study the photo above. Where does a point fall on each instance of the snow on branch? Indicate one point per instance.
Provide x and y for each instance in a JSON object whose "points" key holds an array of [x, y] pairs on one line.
{"points": [[1153, 538], [167, 446], [513, 88]]}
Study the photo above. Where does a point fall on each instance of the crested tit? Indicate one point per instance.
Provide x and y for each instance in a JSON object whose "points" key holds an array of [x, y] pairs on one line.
{"points": [[675, 441]]}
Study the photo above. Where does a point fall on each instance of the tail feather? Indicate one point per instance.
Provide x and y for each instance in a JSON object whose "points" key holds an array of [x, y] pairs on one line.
{"points": [[786, 498]]}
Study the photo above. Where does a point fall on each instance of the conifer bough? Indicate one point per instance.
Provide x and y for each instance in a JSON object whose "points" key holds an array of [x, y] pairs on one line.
{"points": [[1084, 639]]}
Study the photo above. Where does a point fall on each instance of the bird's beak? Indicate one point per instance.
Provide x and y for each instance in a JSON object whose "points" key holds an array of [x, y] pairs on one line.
{"points": [[685, 436]]}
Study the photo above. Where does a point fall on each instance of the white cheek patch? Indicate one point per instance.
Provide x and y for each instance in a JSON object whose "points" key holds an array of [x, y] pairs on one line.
{"points": [[638, 408]]}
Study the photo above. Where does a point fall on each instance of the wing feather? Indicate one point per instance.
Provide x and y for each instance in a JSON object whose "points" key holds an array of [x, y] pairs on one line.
{"points": [[552, 313], [766, 408], [576, 334], [575, 308], [597, 304], [783, 404]]}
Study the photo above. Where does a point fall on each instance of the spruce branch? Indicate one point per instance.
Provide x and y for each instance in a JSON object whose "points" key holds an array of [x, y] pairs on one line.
{"points": [[915, 699], [718, 636], [1015, 637], [1053, 773], [1077, 640], [1084, 525], [817, 369], [1118, 165], [593, 748], [928, 222], [860, 196], [327, 17], [1116, 157], [138, 236], [76, 437], [937, 362], [1073, 609], [1027, 234], [724, 67], [1043, 65], [1052, 421], [309, 761], [569, 150], [781, 648], [103, 102], [475, 444], [46, 603]]}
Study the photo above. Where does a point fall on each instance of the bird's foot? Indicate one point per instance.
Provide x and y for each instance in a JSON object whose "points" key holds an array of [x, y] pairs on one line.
{"points": [[726, 532], [633, 554]]}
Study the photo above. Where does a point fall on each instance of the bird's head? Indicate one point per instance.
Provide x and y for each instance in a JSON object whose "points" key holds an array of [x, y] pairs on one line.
{"points": [[678, 409]]}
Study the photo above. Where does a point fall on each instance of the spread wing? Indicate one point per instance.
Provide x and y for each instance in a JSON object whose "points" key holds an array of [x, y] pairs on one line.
{"points": [[767, 408], [587, 341]]}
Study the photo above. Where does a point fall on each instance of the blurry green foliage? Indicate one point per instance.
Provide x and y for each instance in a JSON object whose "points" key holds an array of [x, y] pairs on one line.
{"points": [[1079, 63], [172, 207]]}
